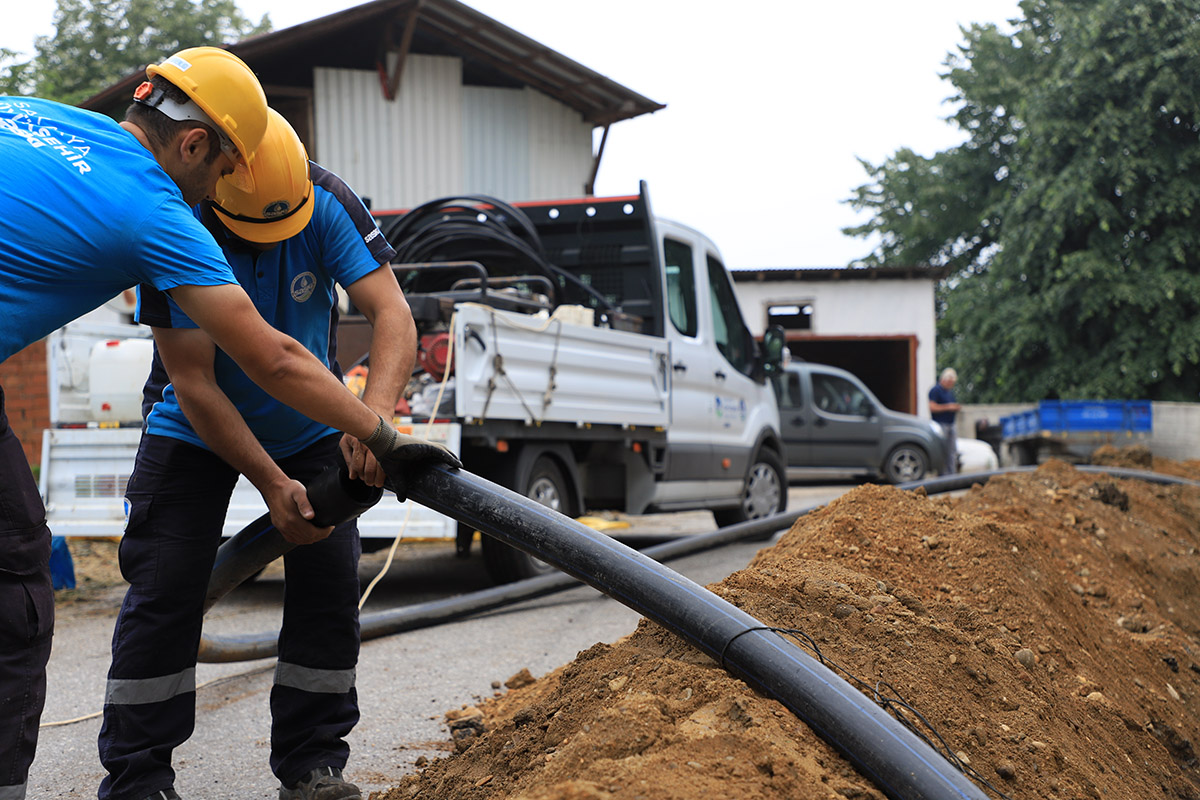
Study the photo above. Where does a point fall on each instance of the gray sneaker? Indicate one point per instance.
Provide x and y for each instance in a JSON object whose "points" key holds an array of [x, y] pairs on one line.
{"points": [[323, 783]]}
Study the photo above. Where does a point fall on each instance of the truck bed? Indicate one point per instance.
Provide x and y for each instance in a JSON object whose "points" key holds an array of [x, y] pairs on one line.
{"points": [[535, 369], [1072, 429]]}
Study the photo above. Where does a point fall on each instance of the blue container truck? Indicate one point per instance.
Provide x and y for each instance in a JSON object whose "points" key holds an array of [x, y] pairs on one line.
{"points": [[1071, 429]]}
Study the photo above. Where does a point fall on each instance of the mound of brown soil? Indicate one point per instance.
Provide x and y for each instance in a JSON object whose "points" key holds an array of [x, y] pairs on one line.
{"points": [[1045, 625]]}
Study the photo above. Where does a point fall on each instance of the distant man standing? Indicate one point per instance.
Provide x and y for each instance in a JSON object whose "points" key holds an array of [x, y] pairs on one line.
{"points": [[944, 408]]}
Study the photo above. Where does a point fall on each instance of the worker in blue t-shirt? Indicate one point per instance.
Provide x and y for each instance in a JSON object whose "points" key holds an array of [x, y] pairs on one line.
{"points": [[209, 423], [88, 208], [944, 408]]}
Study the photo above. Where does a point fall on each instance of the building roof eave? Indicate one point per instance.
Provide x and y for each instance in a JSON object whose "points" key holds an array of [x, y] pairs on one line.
{"points": [[446, 27]]}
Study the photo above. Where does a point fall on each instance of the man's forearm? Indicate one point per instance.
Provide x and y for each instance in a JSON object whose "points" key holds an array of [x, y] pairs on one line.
{"points": [[274, 360], [217, 421], [393, 354]]}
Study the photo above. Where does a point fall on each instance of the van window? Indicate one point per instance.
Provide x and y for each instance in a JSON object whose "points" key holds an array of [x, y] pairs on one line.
{"points": [[729, 331], [834, 394], [787, 389], [681, 286]]}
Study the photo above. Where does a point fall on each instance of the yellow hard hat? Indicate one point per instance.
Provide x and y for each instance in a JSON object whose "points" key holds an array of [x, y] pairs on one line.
{"points": [[224, 89], [281, 203]]}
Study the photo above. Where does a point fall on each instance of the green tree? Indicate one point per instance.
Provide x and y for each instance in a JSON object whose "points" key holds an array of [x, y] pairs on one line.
{"points": [[98, 42], [1068, 218]]}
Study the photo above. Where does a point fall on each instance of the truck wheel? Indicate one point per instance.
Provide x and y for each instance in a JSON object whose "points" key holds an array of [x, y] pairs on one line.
{"points": [[763, 494], [905, 463], [547, 486]]}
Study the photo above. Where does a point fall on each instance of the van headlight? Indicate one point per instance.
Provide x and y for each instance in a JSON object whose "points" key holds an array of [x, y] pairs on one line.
{"points": [[937, 429]]}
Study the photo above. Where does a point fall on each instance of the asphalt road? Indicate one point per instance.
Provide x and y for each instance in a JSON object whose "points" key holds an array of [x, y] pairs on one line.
{"points": [[406, 682]]}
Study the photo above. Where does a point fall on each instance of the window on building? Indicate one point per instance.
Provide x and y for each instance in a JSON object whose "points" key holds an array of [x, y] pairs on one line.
{"points": [[791, 316]]}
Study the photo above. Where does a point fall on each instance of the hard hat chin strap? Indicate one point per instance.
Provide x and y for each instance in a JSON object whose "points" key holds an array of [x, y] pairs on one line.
{"points": [[284, 214]]}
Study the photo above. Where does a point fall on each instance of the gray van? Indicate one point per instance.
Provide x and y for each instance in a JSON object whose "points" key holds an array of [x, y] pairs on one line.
{"points": [[831, 423]]}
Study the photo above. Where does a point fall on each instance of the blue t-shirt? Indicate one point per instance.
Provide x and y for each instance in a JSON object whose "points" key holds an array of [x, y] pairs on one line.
{"points": [[85, 213], [292, 286], [940, 394]]}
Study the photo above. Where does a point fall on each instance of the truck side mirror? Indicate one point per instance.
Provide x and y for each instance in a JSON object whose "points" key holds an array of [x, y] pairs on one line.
{"points": [[774, 342]]}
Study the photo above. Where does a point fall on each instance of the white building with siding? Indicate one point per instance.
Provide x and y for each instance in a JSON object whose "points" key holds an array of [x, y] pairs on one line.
{"points": [[412, 100]]}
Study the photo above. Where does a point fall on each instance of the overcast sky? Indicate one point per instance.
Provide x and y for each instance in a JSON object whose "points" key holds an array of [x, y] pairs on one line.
{"points": [[769, 102]]}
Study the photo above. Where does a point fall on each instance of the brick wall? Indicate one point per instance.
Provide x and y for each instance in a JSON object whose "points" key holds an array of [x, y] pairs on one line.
{"points": [[27, 398]]}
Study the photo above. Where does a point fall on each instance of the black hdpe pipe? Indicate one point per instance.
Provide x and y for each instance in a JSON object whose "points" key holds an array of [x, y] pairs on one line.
{"points": [[258, 544], [899, 763], [335, 499], [950, 483]]}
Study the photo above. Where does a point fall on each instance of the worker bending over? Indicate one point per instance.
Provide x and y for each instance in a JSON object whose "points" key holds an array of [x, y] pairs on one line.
{"points": [[288, 241], [88, 208]]}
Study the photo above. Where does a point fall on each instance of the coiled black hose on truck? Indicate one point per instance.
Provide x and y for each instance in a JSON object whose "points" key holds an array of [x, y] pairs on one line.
{"points": [[895, 759]]}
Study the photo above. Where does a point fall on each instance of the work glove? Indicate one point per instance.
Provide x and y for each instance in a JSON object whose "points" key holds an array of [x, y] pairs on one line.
{"points": [[399, 452]]}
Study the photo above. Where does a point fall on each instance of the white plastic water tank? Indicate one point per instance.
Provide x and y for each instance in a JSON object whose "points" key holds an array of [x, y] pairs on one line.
{"points": [[117, 370]]}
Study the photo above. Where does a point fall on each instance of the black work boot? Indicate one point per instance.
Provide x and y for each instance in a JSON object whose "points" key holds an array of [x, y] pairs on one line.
{"points": [[323, 783]]}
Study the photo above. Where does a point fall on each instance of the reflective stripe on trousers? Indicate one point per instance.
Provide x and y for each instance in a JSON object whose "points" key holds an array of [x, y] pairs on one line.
{"points": [[318, 681], [130, 692], [12, 792]]}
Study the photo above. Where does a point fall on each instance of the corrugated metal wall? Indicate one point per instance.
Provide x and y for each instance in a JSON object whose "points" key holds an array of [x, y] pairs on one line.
{"points": [[397, 153], [562, 144], [496, 142], [442, 138]]}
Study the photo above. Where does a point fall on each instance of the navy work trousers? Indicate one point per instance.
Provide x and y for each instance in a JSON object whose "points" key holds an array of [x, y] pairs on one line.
{"points": [[177, 497], [26, 612]]}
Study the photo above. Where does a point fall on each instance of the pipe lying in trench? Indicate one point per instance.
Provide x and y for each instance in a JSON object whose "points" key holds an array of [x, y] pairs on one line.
{"points": [[893, 757]]}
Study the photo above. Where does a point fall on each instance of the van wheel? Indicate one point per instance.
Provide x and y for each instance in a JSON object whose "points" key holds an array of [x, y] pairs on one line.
{"points": [[763, 494], [547, 486], [905, 463]]}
